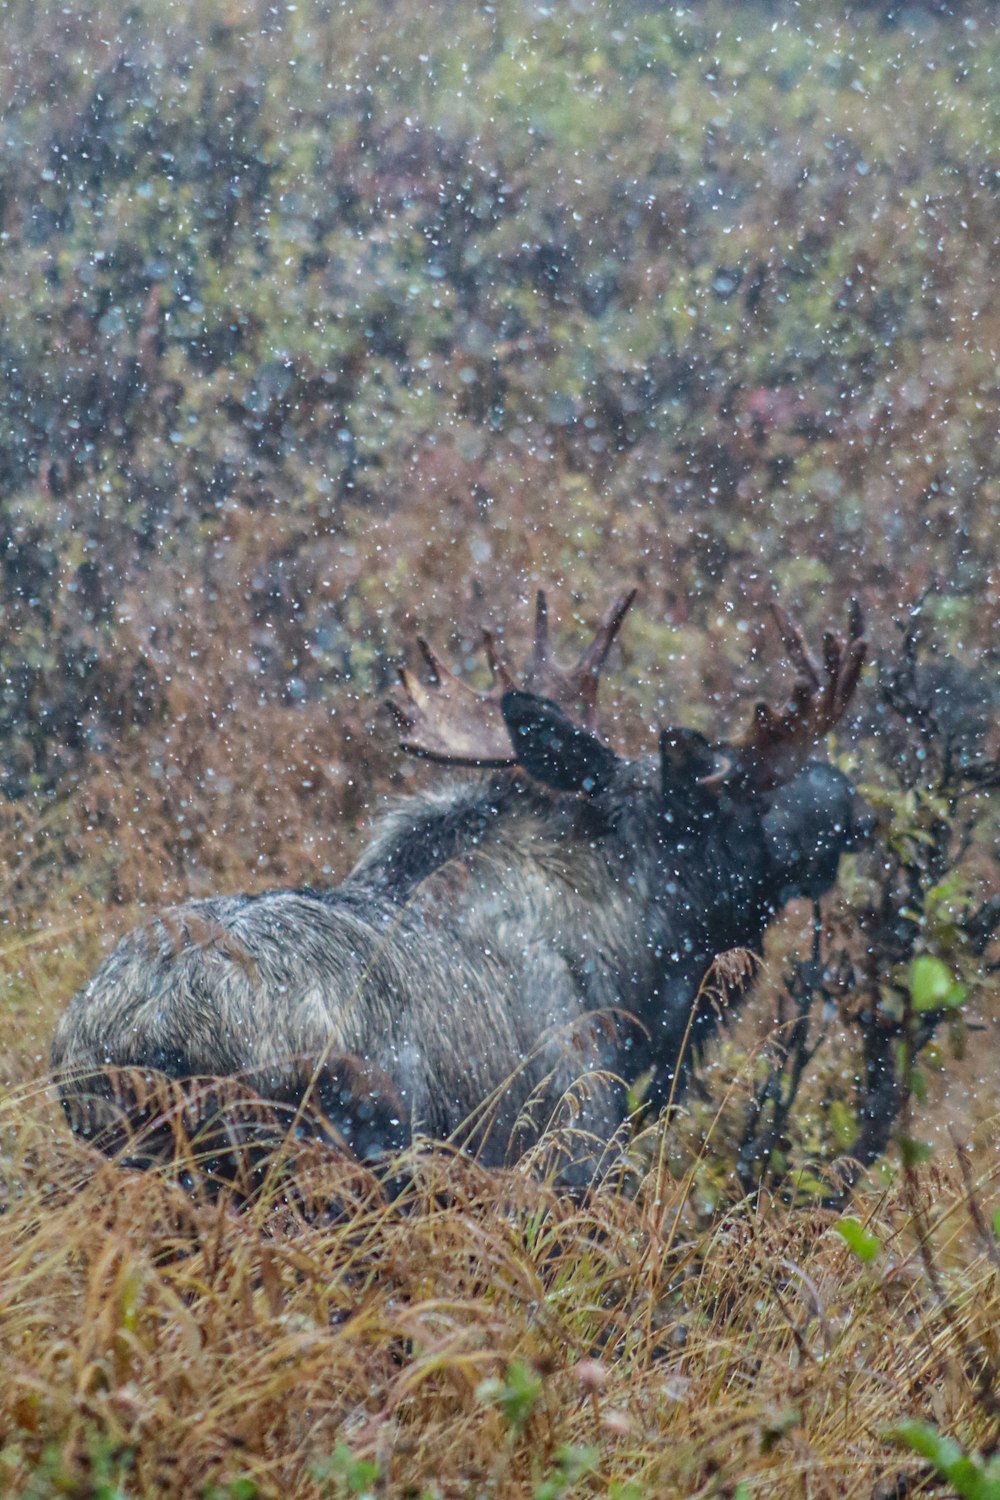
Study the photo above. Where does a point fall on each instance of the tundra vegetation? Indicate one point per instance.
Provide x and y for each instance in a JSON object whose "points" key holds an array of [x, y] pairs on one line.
{"points": [[317, 322]]}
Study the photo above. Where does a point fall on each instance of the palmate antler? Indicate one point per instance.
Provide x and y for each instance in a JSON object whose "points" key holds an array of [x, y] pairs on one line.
{"points": [[446, 720], [778, 743]]}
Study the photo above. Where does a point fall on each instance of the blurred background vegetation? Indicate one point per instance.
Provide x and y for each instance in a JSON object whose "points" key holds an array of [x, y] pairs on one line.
{"points": [[317, 321]]}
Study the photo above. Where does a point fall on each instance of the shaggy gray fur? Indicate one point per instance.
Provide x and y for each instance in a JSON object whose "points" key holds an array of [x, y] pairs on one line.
{"points": [[459, 967]]}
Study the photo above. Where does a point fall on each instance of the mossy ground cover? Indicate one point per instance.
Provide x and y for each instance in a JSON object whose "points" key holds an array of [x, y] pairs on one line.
{"points": [[318, 324]]}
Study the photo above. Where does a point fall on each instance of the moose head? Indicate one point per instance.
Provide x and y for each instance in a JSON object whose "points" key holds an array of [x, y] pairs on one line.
{"points": [[807, 811]]}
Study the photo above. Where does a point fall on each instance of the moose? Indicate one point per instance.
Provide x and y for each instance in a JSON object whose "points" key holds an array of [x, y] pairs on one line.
{"points": [[534, 928]]}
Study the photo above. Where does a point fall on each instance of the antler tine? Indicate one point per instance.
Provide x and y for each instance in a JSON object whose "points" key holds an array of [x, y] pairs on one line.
{"points": [[436, 668], [587, 672], [592, 659], [778, 742], [852, 660], [540, 645], [794, 643], [498, 667], [575, 688]]}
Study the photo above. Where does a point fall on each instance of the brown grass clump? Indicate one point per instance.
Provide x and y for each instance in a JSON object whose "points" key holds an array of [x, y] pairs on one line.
{"points": [[479, 1336]]}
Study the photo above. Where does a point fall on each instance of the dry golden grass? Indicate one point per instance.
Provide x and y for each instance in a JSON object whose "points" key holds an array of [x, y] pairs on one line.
{"points": [[482, 1336]]}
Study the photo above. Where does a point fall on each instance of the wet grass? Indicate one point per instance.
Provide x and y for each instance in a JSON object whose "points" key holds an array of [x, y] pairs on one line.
{"points": [[480, 1335]]}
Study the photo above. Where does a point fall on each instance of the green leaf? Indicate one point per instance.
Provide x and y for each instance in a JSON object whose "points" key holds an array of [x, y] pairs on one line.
{"points": [[571, 1465], [923, 1439], [354, 1476], [638, 1093], [843, 1123], [932, 986], [857, 1238], [516, 1396], [965, 1472], [913, 1151], [807, 1185]]}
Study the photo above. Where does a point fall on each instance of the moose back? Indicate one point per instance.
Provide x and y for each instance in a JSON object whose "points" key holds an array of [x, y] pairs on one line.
{"points": [[530, 931]]}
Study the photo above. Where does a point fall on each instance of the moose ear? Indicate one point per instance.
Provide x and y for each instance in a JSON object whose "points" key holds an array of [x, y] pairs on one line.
{"points": [[553, 749], [686, 758]]}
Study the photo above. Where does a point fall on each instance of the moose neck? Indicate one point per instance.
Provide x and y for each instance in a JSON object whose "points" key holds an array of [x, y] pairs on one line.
{"points": [[636, 908]]}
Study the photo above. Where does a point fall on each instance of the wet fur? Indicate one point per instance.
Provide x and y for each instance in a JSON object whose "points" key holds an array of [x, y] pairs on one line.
{"points": [[458, 968]]}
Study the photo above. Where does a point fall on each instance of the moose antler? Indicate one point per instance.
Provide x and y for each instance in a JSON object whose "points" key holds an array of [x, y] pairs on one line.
{"points": [[778, 743], [575, 688], [446, 720]]}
